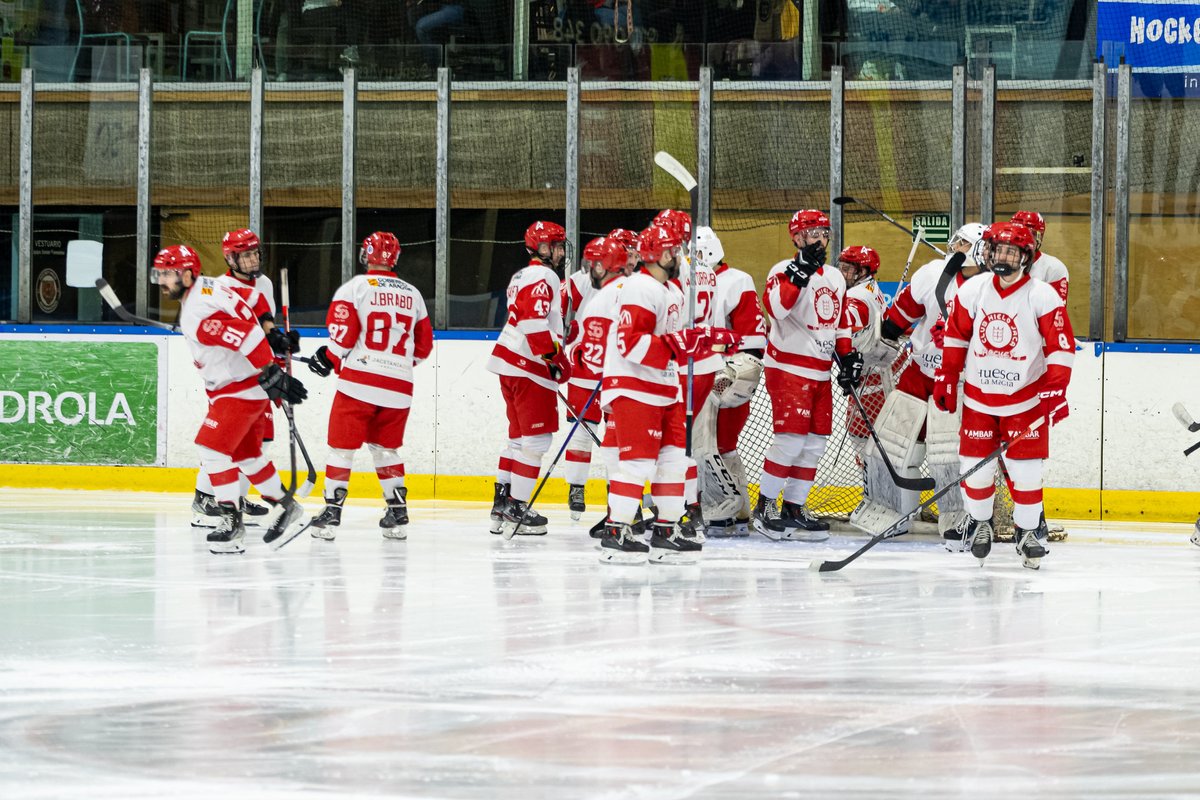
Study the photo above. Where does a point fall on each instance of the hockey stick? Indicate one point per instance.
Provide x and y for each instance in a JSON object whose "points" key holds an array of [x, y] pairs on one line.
{"points": [[912, 484], [1185, 419], [677, 171], [845, 200], [894, 530], [582, 413], [912, 253], [114, 302], [571, 414], [294, 439]]}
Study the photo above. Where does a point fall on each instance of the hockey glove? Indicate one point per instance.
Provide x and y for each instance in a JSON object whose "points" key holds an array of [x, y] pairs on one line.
{"points": [[321, 363], [798, 271], [850, 367], [890, 330], [938, 333], [1052, 389], [685, 343], [559, 364], [283, 342], [945, 391], [280, 386], [723, 340]]}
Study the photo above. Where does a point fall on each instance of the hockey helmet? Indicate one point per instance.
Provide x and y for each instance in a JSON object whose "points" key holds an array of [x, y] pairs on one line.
{"points": [[1009, 233], [806, 219], [679, 221], [861, 256], [709, 250], [655, 241], [380, 249], [543, 232], [242, 240], [625, 237], [176, 258], [606, 252]]}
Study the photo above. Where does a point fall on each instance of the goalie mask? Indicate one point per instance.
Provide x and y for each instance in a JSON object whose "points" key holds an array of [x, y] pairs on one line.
{"points": [[966, 240], [1009, 249], [709, 251]]}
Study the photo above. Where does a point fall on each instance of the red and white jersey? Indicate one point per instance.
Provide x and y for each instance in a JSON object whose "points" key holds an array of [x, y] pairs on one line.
{"points": [[864, 305], [378, 330], [706, 289], [227, 342], [577, 295], [807, 326], [736, 307], [258, 294], [917, 306], [595, 322], [1048, 269], [1004, 340], [576, 290], [534, 327], [637, 363]]}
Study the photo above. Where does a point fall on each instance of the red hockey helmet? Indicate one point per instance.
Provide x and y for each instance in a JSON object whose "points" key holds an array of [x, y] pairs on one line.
{"points": [[1010, 233], [859, 255], [678, 221], [240, 241], [610, 254], [625, 237], [1030, 219], [654, 241], [380, 249], [807, 218], [543, 233], [176, 258]]}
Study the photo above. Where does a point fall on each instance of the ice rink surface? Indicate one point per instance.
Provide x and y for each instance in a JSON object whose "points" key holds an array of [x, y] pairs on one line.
{"points": [[454, 665]]}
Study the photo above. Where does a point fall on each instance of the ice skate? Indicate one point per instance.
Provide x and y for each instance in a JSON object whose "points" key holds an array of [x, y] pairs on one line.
{"points": [[597, 530], [285, 527], [978, 537], [229, 532], [692, 523], [254, 514], [518, 513], [576, 502], [741, 528], [1031, 546], [205, 513], [953, 530], [801, 525], [621, 546], [324, 525], [674, 544], [499, 501], [721, 529], [395, 519], [766, 520]]}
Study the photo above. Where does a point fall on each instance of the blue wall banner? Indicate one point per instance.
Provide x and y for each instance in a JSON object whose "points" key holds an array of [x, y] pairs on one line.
{"points": [[1159, 39]]}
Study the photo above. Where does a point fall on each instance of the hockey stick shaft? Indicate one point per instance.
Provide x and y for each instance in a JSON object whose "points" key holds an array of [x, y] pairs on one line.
{"points": [[845, 199], [894, 530], [114, 302], [1192, 449], [912, 253], [912, 484], [571, 433], [310, 479], [571, 414]]}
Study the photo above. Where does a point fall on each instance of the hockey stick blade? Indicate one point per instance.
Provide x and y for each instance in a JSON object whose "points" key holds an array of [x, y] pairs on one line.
{"points": [[843, 200], [1185, 419], [114, 302], [894, 530], [676, 170]]}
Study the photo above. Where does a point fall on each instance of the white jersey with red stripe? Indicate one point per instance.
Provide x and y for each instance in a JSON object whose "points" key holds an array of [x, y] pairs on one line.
{"points": [[378, 330], [706, 288], [736, 307], [864, 304], [807, 325], [1004, 340], [227, 343], [1048, 269], [917, 305], [596, 321], [576, 290], [638, 364], [534, 327], [578, 293], [259, 294]]}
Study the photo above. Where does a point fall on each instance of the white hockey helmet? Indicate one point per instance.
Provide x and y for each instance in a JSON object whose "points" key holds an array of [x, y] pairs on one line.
{"points": [[972, 233], [709, 251]]}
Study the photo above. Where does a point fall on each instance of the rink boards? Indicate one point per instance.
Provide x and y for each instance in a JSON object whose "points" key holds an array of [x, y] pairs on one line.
{"points": [[1118, 456]]}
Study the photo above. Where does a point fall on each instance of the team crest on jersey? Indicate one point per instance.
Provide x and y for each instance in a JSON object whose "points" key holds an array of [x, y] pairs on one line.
{"points": [[999, 336], [595, 329], [825, 303], [542, 289], [211, 327], [626, 319]]}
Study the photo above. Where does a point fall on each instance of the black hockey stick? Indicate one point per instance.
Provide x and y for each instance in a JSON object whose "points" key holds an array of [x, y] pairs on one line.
{"points": [[846, 200], [114, 302], [582, 413], [894, 530], [679, 172], [912, 484], [574, 418], [295, 441]]}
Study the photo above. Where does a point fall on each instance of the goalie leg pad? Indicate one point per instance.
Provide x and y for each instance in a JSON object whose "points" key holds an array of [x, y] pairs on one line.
{"points": [[875, 518], [737, 470], [719, 495], [941, 443], [899, 426]]}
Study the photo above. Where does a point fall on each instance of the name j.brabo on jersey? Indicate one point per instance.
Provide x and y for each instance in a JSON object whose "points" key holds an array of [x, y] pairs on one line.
{"points": [[64, 408]]}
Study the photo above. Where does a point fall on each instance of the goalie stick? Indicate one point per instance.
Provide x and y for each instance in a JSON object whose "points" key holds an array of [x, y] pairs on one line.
{"points": [[912, 484], [679, 172], [894, 530], [846, 200]]}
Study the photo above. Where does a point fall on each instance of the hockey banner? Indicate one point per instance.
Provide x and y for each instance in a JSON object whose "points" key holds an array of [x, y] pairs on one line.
{"points": [[81, 401], [1157, 38]]}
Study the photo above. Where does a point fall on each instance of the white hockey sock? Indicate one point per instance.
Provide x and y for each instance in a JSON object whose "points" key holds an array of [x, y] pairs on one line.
{"points": [[389, 467], [979, 490], [690, 483], [504, 468], [527, 465], [337, 471], [263, 475], [626, 486], [777, 466], [1025, 475], [804, 471]]}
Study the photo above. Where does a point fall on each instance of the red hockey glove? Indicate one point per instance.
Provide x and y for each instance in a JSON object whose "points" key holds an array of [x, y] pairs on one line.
{"points": [[945, 391], [1052, 389], [559, 364], [723, 340], [938, 333], [685, 343]]}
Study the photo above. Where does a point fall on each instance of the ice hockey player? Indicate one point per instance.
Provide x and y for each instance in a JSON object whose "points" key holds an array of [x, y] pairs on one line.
{"points": [[530, 362], [1009, 336], [243, 259], [911, 427], [1046, 268], [804, 301], [719, 423], [378, 331], [865, 308], [241, 379], [642, 398]]}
